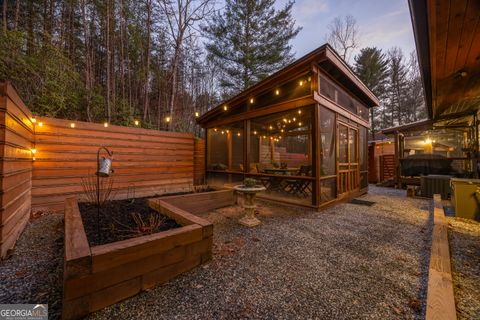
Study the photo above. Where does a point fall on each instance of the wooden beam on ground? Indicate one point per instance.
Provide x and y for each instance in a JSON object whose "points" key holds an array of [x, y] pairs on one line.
{"points": [[440, 299]]}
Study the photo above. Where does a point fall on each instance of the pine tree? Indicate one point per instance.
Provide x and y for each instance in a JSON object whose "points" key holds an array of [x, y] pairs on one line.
{"points": [[250, 40], [371, 66]]}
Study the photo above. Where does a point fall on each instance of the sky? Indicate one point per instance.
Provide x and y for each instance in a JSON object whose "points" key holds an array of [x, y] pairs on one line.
{"points": [[382, 23]]}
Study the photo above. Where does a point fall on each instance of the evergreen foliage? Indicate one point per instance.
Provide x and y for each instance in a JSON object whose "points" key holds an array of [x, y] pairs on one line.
{"points": [[249, 40]]}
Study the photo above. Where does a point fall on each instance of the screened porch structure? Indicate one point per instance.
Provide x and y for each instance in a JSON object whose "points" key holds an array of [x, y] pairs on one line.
{"points": [[301, 133]]}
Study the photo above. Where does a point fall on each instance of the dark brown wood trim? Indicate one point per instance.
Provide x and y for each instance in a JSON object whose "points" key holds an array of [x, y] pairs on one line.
{"points": [[329, 104], [283, 106]]}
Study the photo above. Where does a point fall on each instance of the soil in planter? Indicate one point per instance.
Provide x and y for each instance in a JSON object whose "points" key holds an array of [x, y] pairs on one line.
{"points": [[117, 223]]}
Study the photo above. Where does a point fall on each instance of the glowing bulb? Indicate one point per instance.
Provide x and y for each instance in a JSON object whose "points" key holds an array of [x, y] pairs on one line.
{"points": [[271, 138], [299, 124], [33, 120], [215, 129], [301, 82], [105, 124], [223, 132], [40, 124], [227, 131], [251, 100], [299, 111], [254, 132], [34, 151], [264, 137], [270, 127], [72, 125], [289, 121], [197, 114], [428, 141], [167, 119], [281, 130], [238, 134], [137, 122], [294, 119], [225, 107], [277, 92]]}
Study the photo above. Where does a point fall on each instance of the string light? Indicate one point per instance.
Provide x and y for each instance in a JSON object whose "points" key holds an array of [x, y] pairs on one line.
{"points": [[197, 114], [227, 131], [34, 151], [105, 124], [264, 137], [285, 120], [40, 124], [281, 130], [289, 121], [33, 120], [223, 132], [167, 119], [299, 124], [238, 134], [72, 125], [254, 132], [136, 122], [277, 92], [215, 129], [301, 83], [294, 119], [270, 127], [251, 100], [225, 107], [299, 111]]}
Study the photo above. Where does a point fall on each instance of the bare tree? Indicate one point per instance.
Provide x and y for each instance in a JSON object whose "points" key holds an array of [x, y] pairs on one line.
{"points": [[343, 35], [181, 16]]}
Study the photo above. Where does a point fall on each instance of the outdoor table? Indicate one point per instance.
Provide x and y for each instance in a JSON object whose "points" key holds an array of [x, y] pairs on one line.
{"points": [[276, 183]]}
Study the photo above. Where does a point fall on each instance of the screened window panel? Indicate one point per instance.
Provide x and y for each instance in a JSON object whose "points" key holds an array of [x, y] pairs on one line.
{"points": [[352, 144], [343, 144], [327, 136], [217, 149], [328, 189]]}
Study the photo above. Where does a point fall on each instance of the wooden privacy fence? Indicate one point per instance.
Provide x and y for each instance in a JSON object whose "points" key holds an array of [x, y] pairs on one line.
{"points": [[145, 162]]}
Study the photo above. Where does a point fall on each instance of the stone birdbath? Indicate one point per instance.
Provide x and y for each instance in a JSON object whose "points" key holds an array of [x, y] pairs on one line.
{"points": [[249, 194]]}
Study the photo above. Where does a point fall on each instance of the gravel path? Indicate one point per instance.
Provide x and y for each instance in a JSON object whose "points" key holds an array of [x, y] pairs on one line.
{"points": [[33, 274], [349, 261], [464, 239]]}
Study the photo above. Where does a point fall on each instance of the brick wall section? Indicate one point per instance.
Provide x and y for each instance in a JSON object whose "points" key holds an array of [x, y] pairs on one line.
{"points": [[16, 133]]}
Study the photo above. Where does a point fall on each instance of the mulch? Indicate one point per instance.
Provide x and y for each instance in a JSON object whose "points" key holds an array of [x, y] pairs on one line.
{"points": [[116, 223]]}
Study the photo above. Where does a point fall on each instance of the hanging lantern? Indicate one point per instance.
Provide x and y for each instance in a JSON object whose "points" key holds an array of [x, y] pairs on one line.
{"points": [[104, 167]]}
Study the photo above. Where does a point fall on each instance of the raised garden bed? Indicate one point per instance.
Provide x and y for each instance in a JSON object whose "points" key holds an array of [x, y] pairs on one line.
{"points": [[101, 275], [116, 221]]}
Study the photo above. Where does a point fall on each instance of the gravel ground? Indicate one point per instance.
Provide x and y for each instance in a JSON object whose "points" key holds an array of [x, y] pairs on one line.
{"points": [[33, 273], [464, 239], [349, 261]]}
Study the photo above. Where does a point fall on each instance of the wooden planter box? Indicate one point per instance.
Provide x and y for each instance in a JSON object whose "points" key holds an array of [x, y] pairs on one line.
{"points": [[99, 276]]}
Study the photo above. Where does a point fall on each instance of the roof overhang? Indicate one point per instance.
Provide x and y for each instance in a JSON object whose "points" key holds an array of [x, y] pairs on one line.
{"points": [[447, 37], [325, 57]]}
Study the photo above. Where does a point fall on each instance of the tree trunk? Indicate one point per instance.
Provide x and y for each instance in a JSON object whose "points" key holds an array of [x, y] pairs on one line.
{"points": [[4, 16], [108, 63], [147, 57], [17, 14]]}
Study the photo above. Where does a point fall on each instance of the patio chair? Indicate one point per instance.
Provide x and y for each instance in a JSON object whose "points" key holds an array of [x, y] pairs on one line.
{"points": [[264, 180], [300, 187]]}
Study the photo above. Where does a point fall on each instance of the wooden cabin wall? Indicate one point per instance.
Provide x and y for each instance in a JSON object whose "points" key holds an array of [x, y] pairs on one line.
{"points": [[145, 162], [16, 132]]}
